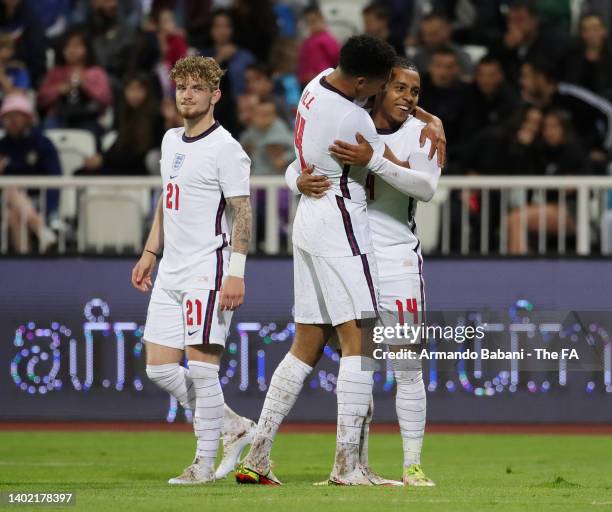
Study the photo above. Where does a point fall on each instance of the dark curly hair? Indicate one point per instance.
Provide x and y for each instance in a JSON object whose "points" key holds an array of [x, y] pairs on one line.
{"points": [[366, 56]]}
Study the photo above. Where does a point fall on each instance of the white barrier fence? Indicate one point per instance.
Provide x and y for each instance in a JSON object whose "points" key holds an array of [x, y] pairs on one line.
{"points": [[98, 213]]}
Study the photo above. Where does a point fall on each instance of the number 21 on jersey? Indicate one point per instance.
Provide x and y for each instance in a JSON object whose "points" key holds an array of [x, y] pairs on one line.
{"points": [[172, 196]]}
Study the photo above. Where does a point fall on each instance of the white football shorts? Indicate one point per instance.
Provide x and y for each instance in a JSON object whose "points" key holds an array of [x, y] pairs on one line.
{"points": [[334, 290], [179, 318]]}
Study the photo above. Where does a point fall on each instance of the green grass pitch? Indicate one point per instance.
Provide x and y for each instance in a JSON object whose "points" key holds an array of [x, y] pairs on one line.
{"points": [[127, 471]]}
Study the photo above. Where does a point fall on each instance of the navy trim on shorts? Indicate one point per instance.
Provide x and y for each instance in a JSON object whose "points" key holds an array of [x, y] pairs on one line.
{"points": [[210, 308], [348, 226], [368, 276], [344, 181], [422, 282]]}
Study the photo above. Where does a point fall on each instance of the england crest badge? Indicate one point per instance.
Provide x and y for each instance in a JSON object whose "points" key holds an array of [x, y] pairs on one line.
{"points": [[179, 158]]}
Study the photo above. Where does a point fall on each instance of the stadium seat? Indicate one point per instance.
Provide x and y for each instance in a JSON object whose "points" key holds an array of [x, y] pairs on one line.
{"points": [[343, 17], [110, 221], [108, 140], [73, 146], [476, 52]]}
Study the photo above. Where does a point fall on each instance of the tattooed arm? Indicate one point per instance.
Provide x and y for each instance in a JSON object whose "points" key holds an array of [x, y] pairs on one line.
{"points": [[232, 290], [241, 231]]}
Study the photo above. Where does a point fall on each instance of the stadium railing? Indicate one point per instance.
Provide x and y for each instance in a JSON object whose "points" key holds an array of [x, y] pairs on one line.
{"points": [[449, 224]]}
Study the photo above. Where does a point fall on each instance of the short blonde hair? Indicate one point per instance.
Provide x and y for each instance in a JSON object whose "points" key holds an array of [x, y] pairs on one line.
{"points": [[198, 68]]}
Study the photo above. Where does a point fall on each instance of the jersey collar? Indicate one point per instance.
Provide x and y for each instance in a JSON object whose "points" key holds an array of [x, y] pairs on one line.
{"points": [[330, 87], [389, 131], [203, 134]]}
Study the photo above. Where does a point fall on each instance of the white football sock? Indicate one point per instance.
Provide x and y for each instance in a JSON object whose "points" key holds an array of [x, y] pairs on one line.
{"points": [[354, 392], [365, 435], [410, 404], [208, 417], [285, 386], [174, 379]]}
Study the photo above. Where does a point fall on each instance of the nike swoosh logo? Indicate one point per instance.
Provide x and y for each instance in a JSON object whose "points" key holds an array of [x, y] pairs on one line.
{"points": [[172, 177], [192, 333]]}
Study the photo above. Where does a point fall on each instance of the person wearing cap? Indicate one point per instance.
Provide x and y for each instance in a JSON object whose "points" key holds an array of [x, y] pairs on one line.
{"points": [[25, 151]]}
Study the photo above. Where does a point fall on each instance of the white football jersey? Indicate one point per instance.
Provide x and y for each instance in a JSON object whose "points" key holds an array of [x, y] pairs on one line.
{"points": [[391, 212], [198, 173], [337, 224]]}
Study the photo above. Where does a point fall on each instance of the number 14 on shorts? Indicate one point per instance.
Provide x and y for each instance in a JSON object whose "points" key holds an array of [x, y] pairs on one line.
{"points": [[411, 308]]}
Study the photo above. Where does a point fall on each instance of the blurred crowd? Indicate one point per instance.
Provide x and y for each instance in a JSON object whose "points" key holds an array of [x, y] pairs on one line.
{"points": [[521, 86]]}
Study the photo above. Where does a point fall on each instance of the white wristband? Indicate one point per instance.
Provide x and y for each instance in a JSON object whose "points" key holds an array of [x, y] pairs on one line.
{"points": [[237, 264]]}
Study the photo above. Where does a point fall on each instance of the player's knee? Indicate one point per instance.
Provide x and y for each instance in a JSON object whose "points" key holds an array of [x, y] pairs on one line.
{"points": [[162, 374]]}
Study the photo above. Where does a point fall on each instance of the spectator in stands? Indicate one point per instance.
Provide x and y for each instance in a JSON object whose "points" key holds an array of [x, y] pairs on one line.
{"points": [[445, 94], [492, 99], [259, 82], [246, 109], [559, 154], [112, 38], [526, 39], [171, 46], [319, 50], [602, 7], [402, 16], [196, 15], [19, 20], [131, 11], [479, 22], [55, 16], [13, 74], [436, 33], [560, 151], [590, 59], [139, 130], [171, 42], [591, 113], [510, 147], [225, 51], [255, 26], [76, 92], [284, 61], [25, 151], [376, 23], [268, 140]]}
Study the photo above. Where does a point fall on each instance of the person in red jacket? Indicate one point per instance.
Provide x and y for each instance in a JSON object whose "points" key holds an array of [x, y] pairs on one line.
{"points": [[76, 92], [172, 43], [319, 50]]}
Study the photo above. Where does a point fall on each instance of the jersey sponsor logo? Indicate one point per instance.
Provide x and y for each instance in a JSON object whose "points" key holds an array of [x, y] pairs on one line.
{"points": [[177, 163], [191, 333]]}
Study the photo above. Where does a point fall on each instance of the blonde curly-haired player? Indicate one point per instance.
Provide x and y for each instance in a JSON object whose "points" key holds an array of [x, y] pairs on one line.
{"points": [[200, 281]]}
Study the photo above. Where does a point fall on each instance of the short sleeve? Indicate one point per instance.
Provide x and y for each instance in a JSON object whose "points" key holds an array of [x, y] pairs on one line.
{"points": [[234, 168], [358, 120]]}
